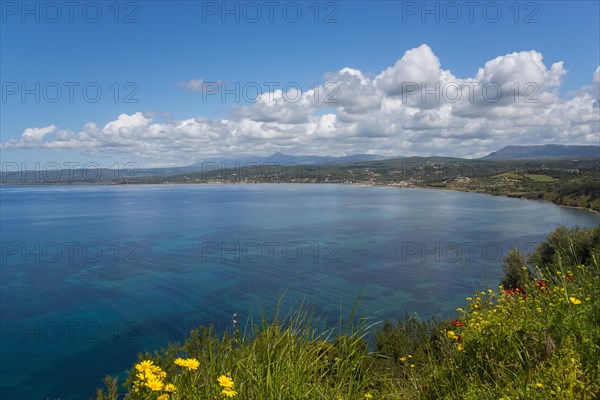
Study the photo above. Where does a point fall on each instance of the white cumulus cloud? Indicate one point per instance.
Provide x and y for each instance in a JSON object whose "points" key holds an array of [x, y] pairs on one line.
{"points": [[414, 107]]}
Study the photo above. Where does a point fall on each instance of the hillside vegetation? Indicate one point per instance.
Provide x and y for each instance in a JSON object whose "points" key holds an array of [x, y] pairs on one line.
{"points": [[536, 337], [574, 183]]}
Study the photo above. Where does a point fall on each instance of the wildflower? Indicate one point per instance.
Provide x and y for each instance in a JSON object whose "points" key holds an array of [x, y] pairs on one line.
{"points": [[574, 300], [409, 356], [155, 384], [225, 381], [403, 359], [228, 392], [170, 387], [469, 299], [515, 291], [451, 335], [146, 375], [144, 366], [569, 276], [190, 363], [368, 396], [457, 323], [541, 283], [163, 397], [539, 385], [460, 347], [412, 365], [157, 371]]}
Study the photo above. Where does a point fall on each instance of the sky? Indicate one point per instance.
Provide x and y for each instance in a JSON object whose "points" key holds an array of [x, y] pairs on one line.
{"points": [[162, 83]]}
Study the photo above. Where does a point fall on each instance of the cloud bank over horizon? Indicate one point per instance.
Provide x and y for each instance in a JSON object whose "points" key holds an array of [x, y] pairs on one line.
{"points": [[413, 107]]}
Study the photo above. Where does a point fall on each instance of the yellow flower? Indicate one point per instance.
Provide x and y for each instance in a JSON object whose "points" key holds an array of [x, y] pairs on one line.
{"points": [[403, 359], [412, 365], [146, 375], [155, 385], [451, 335], [539, 385], [180, 361], [192, 363], [156, 370], [163, 397], [469, 299], [368, 396], [460, 347], [144, 366], [574, 300], [229, 392], [169, 387], [409, 356], [225, 381]]}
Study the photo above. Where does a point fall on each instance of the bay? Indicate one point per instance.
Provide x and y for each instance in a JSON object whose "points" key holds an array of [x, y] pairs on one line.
{"points": [[92, 275]]}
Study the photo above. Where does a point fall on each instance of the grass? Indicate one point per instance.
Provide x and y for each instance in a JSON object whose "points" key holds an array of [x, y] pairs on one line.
{"points": [[540, 340], [540, 178]]}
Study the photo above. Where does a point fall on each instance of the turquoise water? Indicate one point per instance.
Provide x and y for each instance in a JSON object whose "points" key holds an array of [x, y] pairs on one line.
{"points": [[92, 275]]}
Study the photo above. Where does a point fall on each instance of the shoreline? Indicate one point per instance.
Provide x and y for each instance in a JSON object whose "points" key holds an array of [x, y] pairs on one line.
{"points": [[359, 184], [512, 196]]}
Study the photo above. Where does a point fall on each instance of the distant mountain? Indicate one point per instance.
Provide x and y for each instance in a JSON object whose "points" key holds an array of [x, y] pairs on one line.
{"points": [[547, 151], [280, 158]]}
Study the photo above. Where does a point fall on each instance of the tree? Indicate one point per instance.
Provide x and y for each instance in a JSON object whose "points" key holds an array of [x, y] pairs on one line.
{"points": [[516, 272], [568, 247]]}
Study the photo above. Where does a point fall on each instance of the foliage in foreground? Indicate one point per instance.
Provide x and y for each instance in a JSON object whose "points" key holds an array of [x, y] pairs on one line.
{"points": [[539, 340]]}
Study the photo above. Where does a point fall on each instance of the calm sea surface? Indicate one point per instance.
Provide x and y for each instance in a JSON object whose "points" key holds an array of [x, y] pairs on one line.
{"points": [[91, 276]]}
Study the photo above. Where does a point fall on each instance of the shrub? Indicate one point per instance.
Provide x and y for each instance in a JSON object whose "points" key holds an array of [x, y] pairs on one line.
{"points": [[516, 273]]}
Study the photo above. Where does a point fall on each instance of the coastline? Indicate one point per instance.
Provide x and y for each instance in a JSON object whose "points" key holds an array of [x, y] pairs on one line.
{"points": [[359, 184], [509, 195]]}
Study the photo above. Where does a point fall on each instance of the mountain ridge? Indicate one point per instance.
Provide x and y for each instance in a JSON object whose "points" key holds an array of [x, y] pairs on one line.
{"points": [[548, 151], [281, 158], [510, 152]]}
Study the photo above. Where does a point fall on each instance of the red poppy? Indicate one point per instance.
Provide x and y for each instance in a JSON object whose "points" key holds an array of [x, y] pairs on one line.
{"points": [[569, 276], [517, 290], [457, 323], [541, 284], [458, 339]]}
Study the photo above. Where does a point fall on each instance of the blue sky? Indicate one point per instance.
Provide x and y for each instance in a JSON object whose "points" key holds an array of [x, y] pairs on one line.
{"points": [[167, 49]]}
